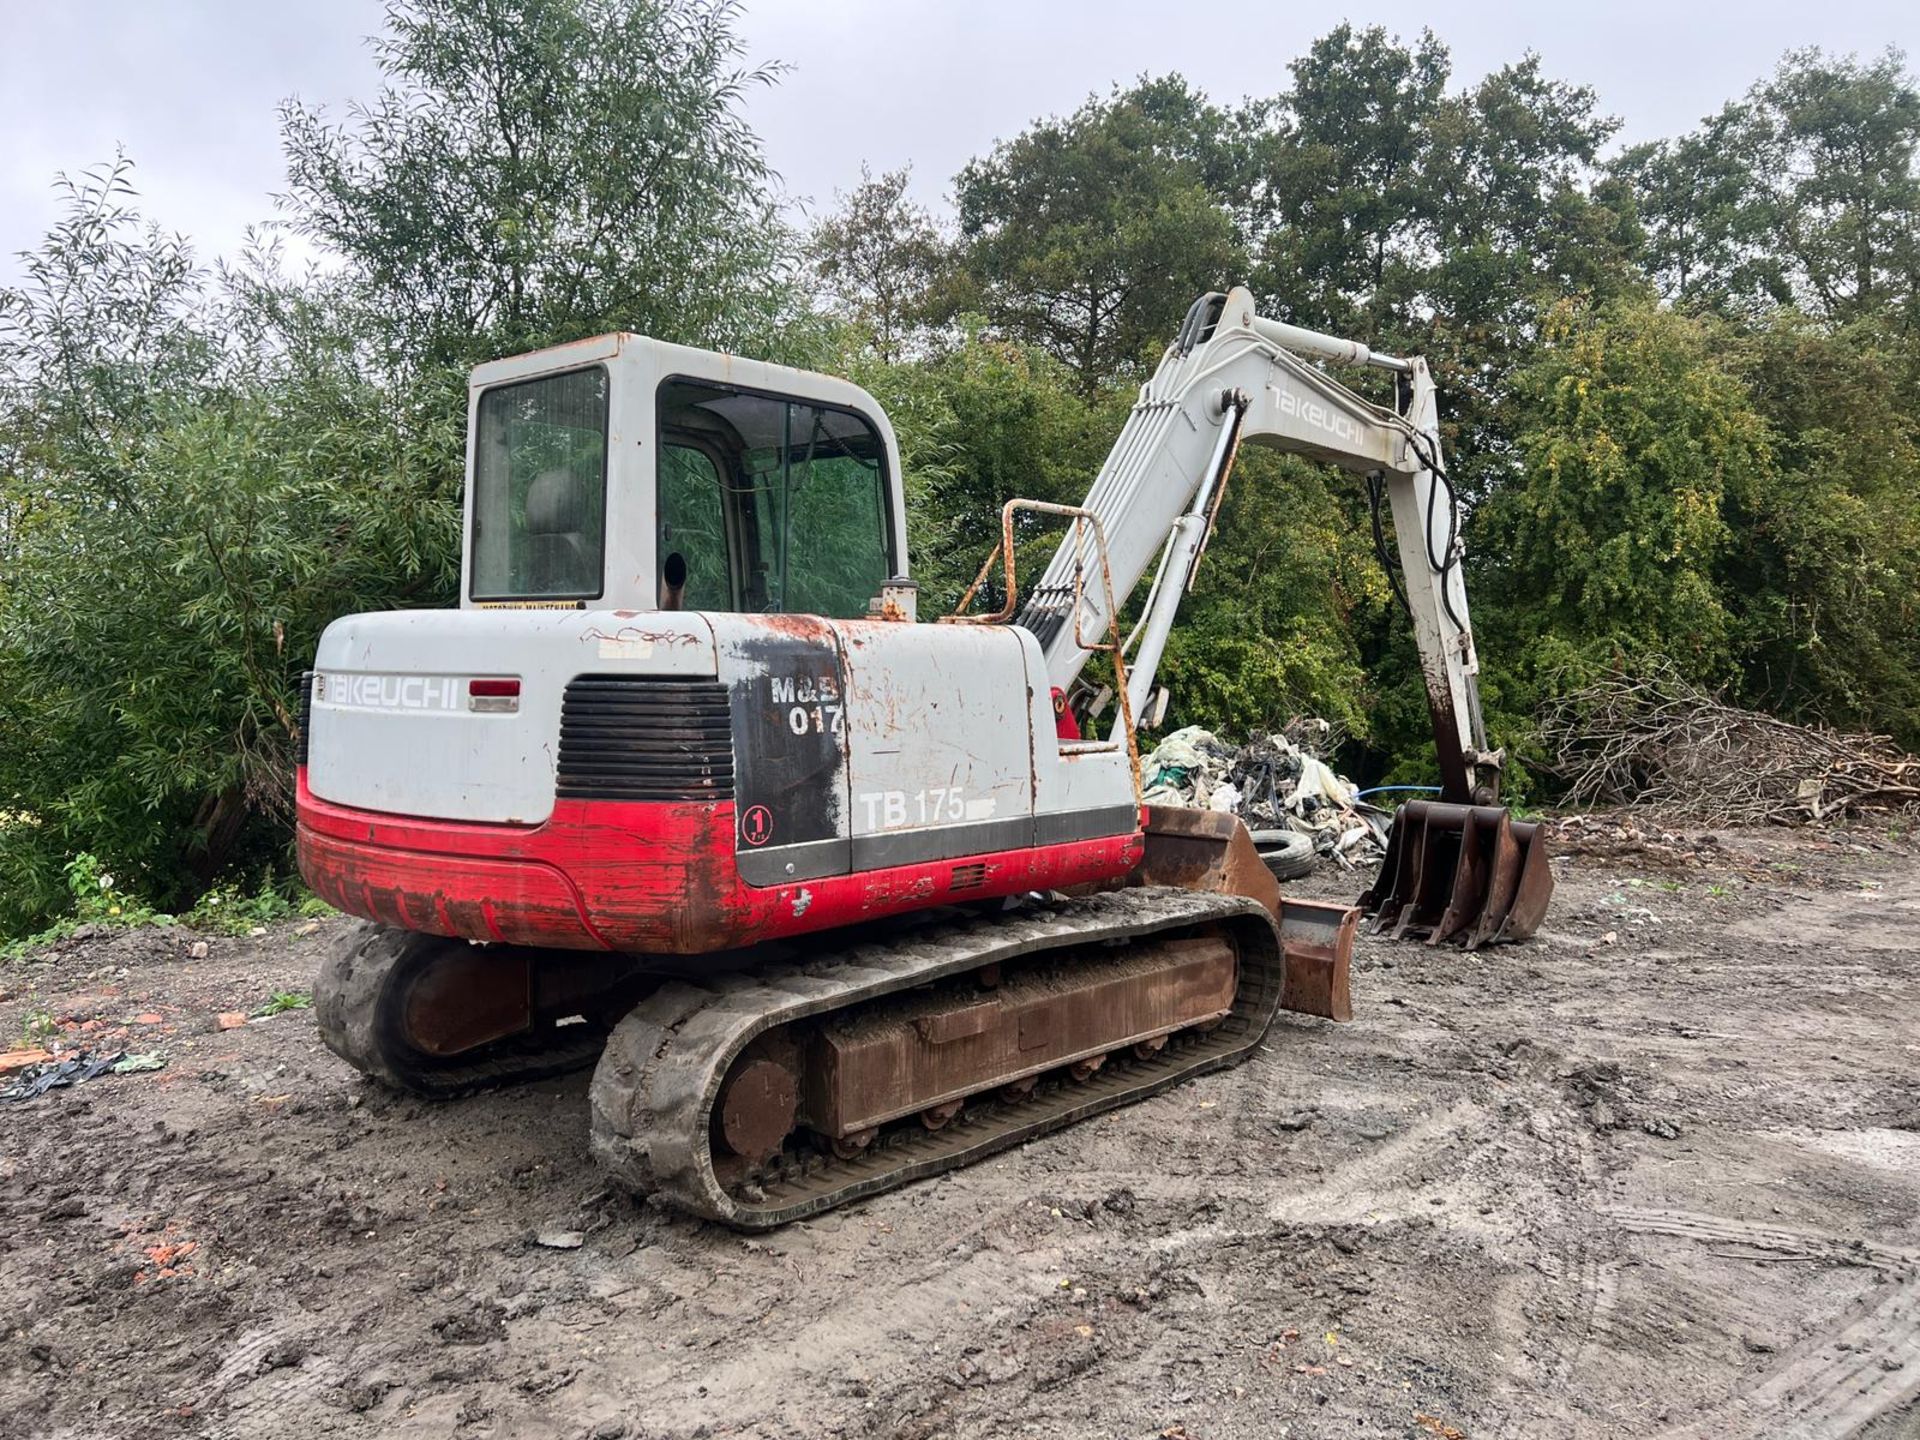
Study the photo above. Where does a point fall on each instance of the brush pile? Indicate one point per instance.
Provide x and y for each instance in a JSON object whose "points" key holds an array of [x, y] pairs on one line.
{"points": [[1662, 743]]}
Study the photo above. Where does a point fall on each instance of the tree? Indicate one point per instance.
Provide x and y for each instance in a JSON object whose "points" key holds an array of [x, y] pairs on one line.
{"points": [[202, 469], [1090, 236], [878, 258], [1802, 193], [1822, 574], [1695, 200], [1834, 142], [1346, 173], [191, 512], [541, 170], [1633, 428]]}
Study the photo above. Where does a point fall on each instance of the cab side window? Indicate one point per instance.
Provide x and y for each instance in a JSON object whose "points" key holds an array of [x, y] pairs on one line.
{"points": [[693, 526], [775, 504]]}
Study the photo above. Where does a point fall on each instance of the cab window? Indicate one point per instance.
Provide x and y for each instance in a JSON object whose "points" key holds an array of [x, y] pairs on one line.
{"points": [[539, 488], [771, 504]]}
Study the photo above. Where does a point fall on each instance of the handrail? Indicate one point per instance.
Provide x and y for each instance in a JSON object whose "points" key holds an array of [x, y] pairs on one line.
{"points": [[1082, 518]]}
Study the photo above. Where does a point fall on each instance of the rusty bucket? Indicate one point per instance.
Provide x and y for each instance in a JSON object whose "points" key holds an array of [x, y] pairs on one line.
{"points": [[1208, 850], [1470, 873]]}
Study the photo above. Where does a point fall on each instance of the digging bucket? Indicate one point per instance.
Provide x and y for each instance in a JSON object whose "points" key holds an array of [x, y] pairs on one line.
{"points": [[1209, 850], [1470, 873]]}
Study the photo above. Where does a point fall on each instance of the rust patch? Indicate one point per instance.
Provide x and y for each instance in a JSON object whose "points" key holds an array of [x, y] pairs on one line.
{"points": [[1204, 850]]}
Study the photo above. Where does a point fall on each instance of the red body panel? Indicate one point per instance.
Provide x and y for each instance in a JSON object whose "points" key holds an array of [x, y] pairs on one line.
{"points": [[649, 878]]}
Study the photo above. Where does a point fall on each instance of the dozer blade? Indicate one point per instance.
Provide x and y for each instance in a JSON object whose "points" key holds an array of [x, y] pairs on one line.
{"points": [[1470, 873], [1213, 851]]}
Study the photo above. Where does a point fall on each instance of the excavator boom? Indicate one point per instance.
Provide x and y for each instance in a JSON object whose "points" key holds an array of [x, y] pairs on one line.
{"points": [[1232, 378]]}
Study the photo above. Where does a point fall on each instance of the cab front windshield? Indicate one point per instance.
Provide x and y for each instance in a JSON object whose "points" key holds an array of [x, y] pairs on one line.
{"points": [[769, 504]]}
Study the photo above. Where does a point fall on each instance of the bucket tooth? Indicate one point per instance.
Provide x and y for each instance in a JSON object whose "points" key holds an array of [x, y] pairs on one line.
{"points": [[1467, 901], [1534, 891], [1460, 872]]}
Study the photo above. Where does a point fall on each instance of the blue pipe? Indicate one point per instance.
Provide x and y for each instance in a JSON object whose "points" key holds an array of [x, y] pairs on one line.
{"points": [[1383, 789]]}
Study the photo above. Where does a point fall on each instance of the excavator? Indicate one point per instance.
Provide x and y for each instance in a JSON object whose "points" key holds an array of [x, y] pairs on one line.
{"points": [[835, 898]]}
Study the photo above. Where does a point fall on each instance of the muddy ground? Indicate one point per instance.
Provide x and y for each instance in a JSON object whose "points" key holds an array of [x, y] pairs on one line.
{"points": [[1657, 1173]]}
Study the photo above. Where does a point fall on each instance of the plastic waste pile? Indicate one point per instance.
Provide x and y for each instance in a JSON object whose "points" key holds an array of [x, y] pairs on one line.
{"points": [[1273, 782]]}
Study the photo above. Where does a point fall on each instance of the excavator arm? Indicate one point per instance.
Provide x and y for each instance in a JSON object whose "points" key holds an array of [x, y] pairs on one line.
{"points": [[1456, 868], [1232, 377]]}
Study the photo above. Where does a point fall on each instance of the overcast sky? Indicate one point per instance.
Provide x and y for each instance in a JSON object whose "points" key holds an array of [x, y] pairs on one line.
{"points": [[189, 87]]}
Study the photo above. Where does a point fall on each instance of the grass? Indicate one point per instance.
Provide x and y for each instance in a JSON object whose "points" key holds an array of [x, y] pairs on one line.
{"points": [[36, 1029], [282, 1001], [224, 910]]}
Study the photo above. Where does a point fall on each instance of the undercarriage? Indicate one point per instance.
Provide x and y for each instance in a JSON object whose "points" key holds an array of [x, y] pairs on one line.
{"points": [[760, 1095]]}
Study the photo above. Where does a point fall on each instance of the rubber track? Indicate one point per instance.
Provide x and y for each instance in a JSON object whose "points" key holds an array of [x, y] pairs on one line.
{"points": [[653, 1094], [347, 1010]]}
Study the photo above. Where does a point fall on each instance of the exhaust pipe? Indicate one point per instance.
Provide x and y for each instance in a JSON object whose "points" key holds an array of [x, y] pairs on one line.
{"points": [[1460, 872]]}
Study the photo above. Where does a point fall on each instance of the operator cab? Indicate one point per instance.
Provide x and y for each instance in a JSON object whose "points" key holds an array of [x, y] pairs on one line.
{"points": [[625, 473]]}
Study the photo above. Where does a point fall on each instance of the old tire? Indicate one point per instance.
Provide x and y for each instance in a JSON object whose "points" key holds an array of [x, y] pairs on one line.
{"points": [[1288, 854]]}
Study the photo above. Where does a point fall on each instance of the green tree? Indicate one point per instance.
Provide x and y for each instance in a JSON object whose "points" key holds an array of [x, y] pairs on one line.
{"points": [[190, 511], [1694, 198], [1834, 143], [1346, 175], [1804, 192], [202, 469], [1090, 236], [1822, 573], [1634, 428], [879, 258], [540, 170]]}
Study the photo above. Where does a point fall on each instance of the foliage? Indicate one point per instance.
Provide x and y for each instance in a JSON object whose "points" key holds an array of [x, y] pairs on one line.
{"points": [[1823, 569], [1634, 429], [1803, 192], [541, 170], [879, 259], [1081, 236], [200, 469], [189, 519], [1679, 384]]}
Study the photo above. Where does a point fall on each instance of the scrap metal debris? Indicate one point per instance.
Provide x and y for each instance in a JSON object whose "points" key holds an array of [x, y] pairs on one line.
{"points": [[1273, 782], [1662, 743]]}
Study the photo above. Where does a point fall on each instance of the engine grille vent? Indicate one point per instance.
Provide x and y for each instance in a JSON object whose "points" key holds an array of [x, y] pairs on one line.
{"points": [[639, 738]]}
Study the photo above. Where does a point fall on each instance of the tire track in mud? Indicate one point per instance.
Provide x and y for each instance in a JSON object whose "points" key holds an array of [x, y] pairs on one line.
{"points": [[962, 1298], [1834, 1383]]}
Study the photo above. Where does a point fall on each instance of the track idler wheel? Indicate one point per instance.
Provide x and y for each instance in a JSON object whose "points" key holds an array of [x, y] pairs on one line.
{"points": [[436, 1016], [757, 1107]]}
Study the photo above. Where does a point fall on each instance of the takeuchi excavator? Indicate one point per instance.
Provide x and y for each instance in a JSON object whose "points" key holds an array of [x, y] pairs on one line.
{"points": [[836, 897]]}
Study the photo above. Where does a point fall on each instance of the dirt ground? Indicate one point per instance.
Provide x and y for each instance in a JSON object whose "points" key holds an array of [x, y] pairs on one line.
{"points": [[1656, 1173]]}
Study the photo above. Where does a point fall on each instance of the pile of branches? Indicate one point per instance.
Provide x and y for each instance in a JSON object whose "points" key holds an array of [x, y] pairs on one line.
{"points": [[1660, 742]]}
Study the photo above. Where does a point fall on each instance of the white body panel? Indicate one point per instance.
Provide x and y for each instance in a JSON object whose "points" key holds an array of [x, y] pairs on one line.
{"points": [[945, 733], [938, 723], [411, 752]]}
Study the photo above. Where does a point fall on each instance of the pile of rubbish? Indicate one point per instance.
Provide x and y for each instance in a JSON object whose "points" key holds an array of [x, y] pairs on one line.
{"points": [[35, 1072], [1273, 782]]}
